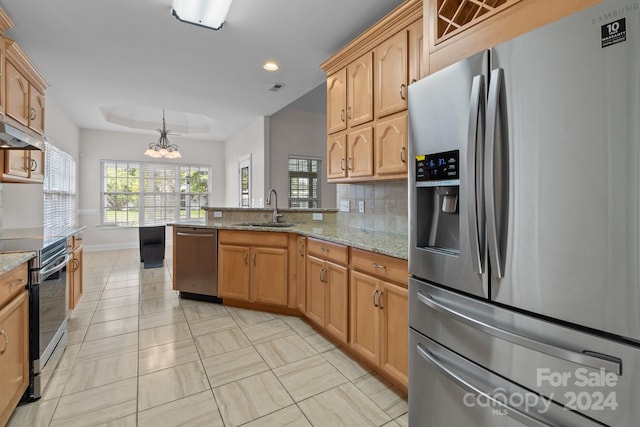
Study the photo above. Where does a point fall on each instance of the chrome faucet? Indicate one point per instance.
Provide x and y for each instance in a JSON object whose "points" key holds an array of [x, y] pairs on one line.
{"points": [[275, 215]]}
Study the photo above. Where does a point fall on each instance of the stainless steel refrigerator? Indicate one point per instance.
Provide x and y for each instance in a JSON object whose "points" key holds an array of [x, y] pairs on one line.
{"points": [[524, 240]]}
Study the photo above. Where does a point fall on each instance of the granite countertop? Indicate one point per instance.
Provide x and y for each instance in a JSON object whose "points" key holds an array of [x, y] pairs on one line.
{"points": [[392, 244], [9, 261]]}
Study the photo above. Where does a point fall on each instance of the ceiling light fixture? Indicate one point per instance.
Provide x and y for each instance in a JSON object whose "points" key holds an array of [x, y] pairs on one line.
{"points": [[270, 66], [162, 148], [204, 13]]}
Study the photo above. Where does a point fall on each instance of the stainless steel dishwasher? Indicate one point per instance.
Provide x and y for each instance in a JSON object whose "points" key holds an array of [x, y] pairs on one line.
{"points": [[195, 262]]}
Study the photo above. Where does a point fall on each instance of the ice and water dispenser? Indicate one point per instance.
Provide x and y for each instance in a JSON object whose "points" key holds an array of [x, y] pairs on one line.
{"points": [[437, 183]]}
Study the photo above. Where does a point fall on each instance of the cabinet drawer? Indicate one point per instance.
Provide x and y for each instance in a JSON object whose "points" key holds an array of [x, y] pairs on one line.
{"points": [[12, 283], [329, 251], [383, 266], [254, 238]]}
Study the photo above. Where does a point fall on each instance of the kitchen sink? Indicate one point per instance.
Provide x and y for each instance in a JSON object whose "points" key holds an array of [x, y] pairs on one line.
{"points": [[265, 224]]}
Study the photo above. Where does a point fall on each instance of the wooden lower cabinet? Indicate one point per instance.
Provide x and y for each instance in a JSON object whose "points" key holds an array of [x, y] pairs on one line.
{"points": [[379, 319], [14, 341], [327, 289], [253, 273]]}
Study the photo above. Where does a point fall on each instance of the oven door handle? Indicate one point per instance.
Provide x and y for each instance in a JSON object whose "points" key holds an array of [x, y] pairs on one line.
{"points": [[46, 272]]}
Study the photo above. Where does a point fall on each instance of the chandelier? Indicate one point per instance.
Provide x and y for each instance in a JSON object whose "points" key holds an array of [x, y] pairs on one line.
{"points": [[163, 148]]}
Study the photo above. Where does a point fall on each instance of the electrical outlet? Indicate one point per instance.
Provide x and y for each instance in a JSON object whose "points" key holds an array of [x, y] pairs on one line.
{"points": [[217, 214], [317, 216], [361, 206], [344, 206]]}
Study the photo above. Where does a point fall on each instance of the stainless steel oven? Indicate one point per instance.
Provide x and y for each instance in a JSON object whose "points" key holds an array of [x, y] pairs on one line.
{"points": [[47, 313]]}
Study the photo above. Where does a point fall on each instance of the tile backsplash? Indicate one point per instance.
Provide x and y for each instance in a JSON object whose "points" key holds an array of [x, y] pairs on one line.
{"points": [[385, 206]]}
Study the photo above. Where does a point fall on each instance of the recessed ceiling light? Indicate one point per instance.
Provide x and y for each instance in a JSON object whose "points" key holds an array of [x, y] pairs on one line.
{"points": [[270, 66]]}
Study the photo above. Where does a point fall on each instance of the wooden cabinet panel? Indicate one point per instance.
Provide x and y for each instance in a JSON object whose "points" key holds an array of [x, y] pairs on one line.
{"points": [[383, 266], [301, 268], [394, 356], [14, 360], [36, 110], [16, 94], [36, 165], [16, 163], [391, 150], [360, 153], [315, 291], [233, 272], [337, 101], [360, 90], [269, 274], [336, 156], [327, 250], [365, 329], [336, 279], [392, 58], [12, 283], [418, 64], [74, 278]]}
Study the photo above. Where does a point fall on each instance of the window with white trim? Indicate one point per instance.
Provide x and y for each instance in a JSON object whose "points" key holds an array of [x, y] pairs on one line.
{"points": [[59, 189], [141, 193], [304, 188]]}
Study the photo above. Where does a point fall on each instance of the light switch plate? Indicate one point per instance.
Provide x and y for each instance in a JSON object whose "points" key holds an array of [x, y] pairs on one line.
{"points": [[317, 216], [344, 206], [217, 214], [361, 206]]}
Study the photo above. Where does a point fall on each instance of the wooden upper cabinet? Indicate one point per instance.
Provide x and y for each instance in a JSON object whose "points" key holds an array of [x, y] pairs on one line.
{"points": [[17, 94], [337, 101], [360, 90], [360, 153], [337, 156], [391, 146], [392, 57], [378, 67]]}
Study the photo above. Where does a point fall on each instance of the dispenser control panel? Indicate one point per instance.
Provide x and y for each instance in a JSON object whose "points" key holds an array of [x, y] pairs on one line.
{"points": [[437, 166]]}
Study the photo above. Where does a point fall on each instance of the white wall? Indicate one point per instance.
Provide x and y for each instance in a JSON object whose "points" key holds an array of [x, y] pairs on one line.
{"points": [[250, 140], [23, 204], [99, 145], [300, 133]]}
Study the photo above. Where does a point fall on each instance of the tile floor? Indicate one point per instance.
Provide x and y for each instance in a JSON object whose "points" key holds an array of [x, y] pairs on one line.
{"points": [[139, 355]]}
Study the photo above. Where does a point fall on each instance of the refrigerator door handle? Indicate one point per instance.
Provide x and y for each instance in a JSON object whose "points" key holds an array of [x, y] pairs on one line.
{"points": [[474, 176], [587, 358], [495, 403], [493, 133]]}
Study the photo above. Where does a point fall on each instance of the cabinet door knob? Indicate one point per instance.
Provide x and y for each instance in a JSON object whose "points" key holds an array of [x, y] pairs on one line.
{"points": [[301, 250], [342, 115], [246, 258], [380, 300], [342, 164], [349, 166], [33, 165], [373, 297], [254, 259], [32, 113], [403, 158], [376, 265], [6, 341], [349, 113]]}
